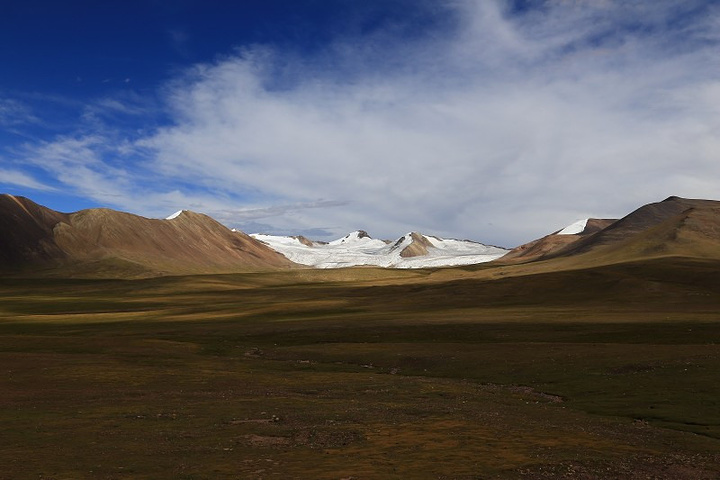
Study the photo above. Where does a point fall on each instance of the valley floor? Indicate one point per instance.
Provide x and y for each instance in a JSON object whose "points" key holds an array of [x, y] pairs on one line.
{"points": [[365, 374]]}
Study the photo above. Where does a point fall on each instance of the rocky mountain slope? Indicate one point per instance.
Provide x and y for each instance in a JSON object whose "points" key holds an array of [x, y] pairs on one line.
{"points": [[556, 241], [103, 240], [674, 227]]}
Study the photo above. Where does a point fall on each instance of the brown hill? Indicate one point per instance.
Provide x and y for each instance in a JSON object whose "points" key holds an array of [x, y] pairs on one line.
{"points": [[656, 228], [677, 227], [554, 242], [102, 240]]}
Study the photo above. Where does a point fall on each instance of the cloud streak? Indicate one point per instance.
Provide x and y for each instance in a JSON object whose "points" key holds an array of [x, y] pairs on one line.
{"points": [[14, 113], [21, 179], [509, 125], [275, 210]]}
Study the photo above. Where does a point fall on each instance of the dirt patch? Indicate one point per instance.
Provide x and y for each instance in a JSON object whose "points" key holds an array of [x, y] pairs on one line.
{"points": [[265, 441], [327, 438]]}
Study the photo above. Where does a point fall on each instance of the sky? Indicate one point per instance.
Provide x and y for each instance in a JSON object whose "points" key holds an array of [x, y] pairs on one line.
{"points": [[493, 120]]}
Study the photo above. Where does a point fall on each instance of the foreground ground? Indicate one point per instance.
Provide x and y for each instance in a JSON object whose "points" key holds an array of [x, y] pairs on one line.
{"points": [[364, 374]]}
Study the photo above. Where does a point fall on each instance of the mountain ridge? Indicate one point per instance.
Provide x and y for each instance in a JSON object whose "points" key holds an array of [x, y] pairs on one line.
{"points": [[675, 226], [553, 242], [36, 237], [637, 222]]}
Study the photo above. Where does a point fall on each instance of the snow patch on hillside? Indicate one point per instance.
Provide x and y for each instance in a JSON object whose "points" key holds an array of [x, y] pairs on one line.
{"points": [[575, 228]]}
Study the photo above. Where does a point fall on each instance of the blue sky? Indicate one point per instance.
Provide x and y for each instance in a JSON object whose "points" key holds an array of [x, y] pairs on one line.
{"points": [[492, 120]]}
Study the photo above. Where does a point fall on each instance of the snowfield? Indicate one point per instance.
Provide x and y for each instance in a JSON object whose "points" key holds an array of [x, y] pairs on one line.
{"points": [[574, 228], [357, 248]]}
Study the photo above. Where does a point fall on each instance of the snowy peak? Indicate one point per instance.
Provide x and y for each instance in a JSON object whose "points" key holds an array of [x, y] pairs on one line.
{"points": [[412, 250], [175, 215], [352, 237]]}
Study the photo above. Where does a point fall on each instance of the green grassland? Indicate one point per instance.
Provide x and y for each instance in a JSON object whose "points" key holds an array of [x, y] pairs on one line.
{"points": [[476, 372]]}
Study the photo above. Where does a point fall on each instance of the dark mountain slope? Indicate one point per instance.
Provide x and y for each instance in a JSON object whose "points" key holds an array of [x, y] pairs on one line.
{"points": [[26, 233]]}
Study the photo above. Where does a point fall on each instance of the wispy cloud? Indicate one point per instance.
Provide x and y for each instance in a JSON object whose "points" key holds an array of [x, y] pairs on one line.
{"points": [[116, 106], [275, 210], [19, 178], [511, 124], [106, 170], [178, 39], [79, 164], [13, 113]]}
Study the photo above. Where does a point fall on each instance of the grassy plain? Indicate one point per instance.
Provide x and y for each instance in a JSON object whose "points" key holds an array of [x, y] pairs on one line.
{"points": [[478, 372]]}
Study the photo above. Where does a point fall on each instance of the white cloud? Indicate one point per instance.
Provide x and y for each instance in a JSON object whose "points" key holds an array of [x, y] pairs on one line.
{"points": [[13, 113], [265, 212], [21, 179], [509, 127], [97, 168], [78, 163]]}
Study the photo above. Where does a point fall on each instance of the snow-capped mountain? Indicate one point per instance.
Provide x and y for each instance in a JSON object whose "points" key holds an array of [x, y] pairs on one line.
{"points": [[412, 250]]}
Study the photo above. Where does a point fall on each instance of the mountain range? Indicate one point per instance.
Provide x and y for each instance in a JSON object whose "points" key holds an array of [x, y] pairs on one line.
{"points": [[413, 250], [104, 242]]}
